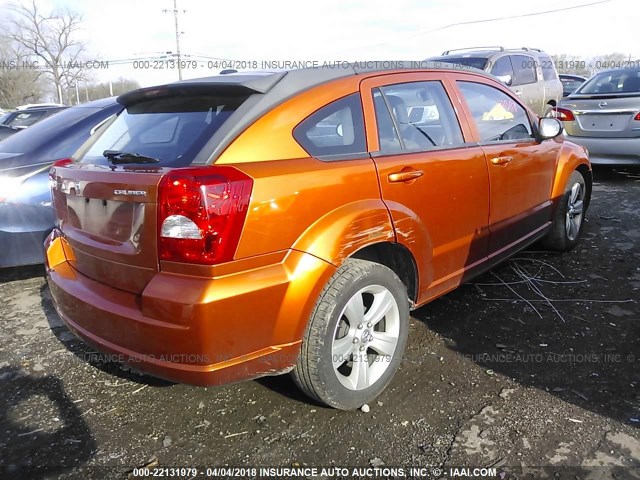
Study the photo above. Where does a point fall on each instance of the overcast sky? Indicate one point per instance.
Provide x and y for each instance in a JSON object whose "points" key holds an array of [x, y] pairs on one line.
{"points": [[344, 29]]}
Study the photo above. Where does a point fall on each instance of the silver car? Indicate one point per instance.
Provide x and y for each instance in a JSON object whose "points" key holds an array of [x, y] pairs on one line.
{"points": [[603, 115], [529, 72]]}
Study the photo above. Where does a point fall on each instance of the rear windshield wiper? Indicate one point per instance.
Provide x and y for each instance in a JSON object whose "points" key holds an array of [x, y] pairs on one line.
{"points": [[118, 158]]}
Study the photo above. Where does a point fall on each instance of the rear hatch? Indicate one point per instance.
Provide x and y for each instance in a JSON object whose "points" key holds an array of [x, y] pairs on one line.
{"points": [[607, 105], [109, 219], [106, 201]]}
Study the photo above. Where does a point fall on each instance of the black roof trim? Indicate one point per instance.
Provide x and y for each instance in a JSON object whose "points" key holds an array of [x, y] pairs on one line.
{"points": [[244, 84]]}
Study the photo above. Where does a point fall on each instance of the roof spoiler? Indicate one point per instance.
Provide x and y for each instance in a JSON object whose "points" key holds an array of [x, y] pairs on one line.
{"points": [[230, 84]]}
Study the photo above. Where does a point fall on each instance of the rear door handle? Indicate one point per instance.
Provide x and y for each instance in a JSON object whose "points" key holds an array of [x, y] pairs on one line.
{"points": [[518, 94], [501, 160], [405, 176]]}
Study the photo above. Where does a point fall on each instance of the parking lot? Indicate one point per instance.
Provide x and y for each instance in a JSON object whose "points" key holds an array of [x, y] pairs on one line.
{"points": [[534, 363]]}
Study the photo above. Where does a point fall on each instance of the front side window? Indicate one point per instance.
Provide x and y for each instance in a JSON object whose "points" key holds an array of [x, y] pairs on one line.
{"points": [[171, 129], [503, 68], [336, 130], [525, 69], [416, 116], [497, 116]]}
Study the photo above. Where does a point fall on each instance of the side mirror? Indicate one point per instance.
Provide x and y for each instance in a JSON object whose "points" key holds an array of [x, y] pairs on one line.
{"points": [[549, 128], [506, 79]]}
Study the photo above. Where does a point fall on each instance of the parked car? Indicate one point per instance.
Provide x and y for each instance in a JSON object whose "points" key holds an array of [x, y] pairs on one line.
{"points": [[29, 106], [13, 122], [603, 115], [7, 132], [26, 214], [245, 225], [570, 83], [529, 72]]}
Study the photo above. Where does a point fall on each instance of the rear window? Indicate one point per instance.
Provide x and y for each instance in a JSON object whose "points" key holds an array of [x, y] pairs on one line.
{"points": [[480, 63], [25, 118], [617, 81], [171, 129]]}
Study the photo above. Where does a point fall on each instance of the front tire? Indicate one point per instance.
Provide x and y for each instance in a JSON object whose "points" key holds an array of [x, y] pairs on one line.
{"points": [[569, 216], [356, 336]]}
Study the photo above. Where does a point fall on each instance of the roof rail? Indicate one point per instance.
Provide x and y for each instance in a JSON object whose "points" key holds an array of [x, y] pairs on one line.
{"points": [[526, 49], [500, 49]]}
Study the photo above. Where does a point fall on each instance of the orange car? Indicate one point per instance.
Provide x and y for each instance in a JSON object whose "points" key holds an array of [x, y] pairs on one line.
{"points": [[254, 224]]}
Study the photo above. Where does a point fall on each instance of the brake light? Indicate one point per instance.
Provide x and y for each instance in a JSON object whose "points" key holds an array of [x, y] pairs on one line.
{"points": [[62, 162], [201, 212], [563, 114], [637, 117]]}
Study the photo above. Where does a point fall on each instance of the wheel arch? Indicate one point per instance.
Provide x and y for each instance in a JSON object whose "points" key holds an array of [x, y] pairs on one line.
{"points": [[396, 257], [571, 158], [587, 173]]}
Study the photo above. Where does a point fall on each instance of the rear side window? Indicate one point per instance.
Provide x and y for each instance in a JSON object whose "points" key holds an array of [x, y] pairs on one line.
{"points": [[497, 116], [548, 70], [334, 132], [524, 67], [172, 129], [416, 116]]}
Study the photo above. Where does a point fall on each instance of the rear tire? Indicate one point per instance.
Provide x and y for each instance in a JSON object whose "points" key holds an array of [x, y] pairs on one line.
{"points": [[356, 336], [569, 216]]}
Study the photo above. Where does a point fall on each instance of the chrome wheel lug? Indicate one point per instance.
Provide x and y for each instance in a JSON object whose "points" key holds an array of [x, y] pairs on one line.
{"points": [[360, 326], [355, 340], [362, 348]]}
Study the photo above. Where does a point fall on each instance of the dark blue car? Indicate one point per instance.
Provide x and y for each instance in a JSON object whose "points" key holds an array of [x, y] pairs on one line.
{"points": [[26, 214]]}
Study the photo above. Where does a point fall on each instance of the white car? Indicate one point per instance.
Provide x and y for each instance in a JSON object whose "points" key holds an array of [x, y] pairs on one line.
{"points": [[38, 105]]}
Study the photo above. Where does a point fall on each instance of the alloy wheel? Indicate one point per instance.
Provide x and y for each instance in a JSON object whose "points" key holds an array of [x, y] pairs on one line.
{"points": [[366, 337]]}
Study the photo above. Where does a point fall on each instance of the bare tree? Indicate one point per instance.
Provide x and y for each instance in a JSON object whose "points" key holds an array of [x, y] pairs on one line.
{"points": [[50, 39], [18, 85]]}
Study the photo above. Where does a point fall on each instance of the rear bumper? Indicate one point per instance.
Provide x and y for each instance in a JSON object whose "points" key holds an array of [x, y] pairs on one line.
{"points": [[242, 326], [23, 228], [610, 151]]}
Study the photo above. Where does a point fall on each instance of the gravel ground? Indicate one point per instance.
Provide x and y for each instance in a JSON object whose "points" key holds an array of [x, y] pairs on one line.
{"points": [[495, 375]]}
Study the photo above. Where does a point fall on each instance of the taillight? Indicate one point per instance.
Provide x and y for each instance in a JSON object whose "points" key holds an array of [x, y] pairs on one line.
{"points": [[63, 162], [637, 117], [562, 114], [201, 212]]}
